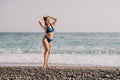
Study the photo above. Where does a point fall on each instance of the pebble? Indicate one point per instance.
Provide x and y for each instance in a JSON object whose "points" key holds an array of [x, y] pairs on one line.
{"points": [[107, 76], [39, 73]]}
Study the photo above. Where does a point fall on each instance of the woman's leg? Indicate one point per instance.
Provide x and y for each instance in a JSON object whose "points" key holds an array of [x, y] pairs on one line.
{"points": [[46, 52], [50, 47]]}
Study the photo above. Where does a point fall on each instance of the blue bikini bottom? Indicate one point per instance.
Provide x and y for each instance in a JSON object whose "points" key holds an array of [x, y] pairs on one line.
{"points": [[48, 39]]}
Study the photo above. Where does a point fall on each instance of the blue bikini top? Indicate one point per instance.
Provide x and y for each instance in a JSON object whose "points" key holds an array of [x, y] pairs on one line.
{"points": [[48, 29]]}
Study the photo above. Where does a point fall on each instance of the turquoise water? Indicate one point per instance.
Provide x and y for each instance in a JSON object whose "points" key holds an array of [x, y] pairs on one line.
{"points": [[68, 48], [63, 43]]}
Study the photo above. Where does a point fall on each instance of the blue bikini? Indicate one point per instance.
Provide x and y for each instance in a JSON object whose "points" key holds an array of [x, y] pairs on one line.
{"points": [[49, 30]]}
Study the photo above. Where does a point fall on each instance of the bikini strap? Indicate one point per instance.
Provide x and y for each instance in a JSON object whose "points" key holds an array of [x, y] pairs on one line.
{"points": [[51, 25]]}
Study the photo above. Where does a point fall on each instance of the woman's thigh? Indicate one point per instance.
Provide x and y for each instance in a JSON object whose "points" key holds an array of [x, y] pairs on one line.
{"points": [[50, 45], [45, 43]]}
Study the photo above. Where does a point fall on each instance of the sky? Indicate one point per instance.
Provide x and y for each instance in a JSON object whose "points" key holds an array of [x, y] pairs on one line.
{"points": [[72, 15]]}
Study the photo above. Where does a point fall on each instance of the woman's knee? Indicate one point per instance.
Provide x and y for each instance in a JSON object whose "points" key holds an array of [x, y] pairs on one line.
{"points": [[47, 50]]}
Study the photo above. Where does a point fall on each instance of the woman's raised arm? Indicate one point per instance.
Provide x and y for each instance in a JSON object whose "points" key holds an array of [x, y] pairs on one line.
{"points": [[55, 20], [41, 24]]}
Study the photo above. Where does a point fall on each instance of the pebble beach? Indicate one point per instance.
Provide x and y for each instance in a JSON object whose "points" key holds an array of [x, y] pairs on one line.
{"points": [[61, 72]]}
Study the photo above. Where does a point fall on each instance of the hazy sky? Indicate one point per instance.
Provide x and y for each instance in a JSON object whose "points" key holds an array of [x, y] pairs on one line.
{"points": [[72, 15]]}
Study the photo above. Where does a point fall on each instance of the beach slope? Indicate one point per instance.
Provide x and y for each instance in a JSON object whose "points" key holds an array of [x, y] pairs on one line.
{"points": [[59, 73]]}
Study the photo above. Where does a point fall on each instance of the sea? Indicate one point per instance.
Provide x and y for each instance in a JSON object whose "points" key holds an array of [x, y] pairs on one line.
{"points": [[80, 48]]}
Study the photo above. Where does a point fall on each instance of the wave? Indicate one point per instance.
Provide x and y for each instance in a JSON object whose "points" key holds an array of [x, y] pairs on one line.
{"points": [[58, 50], [64, 43], [75, 59]]}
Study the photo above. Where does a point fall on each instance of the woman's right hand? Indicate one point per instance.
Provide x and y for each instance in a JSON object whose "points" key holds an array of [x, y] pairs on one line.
{"points": [[43, 17], [40, 21]]}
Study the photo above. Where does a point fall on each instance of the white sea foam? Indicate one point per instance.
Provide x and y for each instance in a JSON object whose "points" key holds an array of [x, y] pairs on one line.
{"points": [[75, 59]]}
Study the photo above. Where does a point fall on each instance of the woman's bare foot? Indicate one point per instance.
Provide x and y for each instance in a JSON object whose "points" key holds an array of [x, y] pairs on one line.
{"points": [[44, 66], [47, 65]]}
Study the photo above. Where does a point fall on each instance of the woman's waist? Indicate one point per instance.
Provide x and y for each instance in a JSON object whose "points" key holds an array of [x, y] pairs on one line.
{"points": [[49, 36]]}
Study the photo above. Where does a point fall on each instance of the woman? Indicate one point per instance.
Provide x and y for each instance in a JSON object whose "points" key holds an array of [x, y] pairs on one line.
{"points": [[47, 39]]}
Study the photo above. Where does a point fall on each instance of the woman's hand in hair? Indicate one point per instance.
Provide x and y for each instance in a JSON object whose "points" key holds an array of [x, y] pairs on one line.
{"points": [[55, 20]]}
